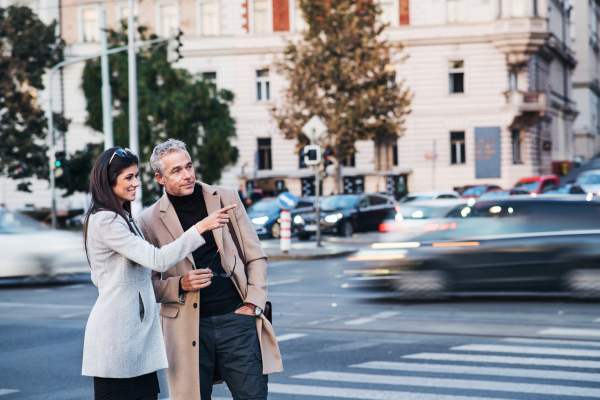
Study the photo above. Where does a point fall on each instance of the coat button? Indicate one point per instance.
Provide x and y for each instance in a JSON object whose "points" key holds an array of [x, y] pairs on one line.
{"points": [[193, 343], [195, 305]]}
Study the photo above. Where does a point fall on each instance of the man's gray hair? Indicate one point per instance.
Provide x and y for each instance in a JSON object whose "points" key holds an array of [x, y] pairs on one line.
{"points": [[162, 150]]}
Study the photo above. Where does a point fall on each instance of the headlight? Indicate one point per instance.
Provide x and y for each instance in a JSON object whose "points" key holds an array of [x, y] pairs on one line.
{"points": [[398, 217], [298, 220], [332, 219], [260, 220]]}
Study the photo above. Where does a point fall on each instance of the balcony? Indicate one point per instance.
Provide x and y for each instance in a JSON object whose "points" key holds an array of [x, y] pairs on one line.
{"points": [[518, 38], [528, 107]]}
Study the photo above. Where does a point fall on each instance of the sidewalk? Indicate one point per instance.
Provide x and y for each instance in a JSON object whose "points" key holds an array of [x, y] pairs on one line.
{"points": [[306, 251]]}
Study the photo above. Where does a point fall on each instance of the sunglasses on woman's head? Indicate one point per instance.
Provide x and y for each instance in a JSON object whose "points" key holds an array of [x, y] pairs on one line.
{"points": [[121, 153]]}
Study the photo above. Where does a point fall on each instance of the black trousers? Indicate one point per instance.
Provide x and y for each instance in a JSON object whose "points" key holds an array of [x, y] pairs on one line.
{"points": [[230, 344]]}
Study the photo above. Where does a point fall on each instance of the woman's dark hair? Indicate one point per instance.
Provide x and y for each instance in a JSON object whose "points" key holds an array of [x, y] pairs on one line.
{"points": [[103, 179]]}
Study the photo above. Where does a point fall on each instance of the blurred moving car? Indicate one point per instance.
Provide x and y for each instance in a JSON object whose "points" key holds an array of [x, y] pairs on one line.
{"points": [[510, 244], [492, 194], [470, 192], [414, 217], [564, 189], [344, 214], [589, 181], [265, 213], [433, 195], [30, 249], [537, 184]]}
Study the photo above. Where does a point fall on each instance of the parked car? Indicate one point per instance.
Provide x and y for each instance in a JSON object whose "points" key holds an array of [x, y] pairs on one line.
{"points": [[413, 217], [537, 184], [29, 249], [564, 189], [265, 213], [509, 244], [589, 181], [433, 195], [471, 192], [344, 214], [492, 194]]}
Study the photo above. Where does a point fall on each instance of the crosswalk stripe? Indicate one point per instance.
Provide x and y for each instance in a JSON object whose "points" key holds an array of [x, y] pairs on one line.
{"points": [[570, 332], [551, 362], [366, 394], [493, 348], [453, 383], [7, 391], [362, 321], [460, 369], [583, 343], [290, 336]]}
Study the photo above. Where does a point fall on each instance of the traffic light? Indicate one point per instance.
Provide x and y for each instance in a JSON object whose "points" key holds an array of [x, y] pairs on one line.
{"points": [[173, 49], [312, 155], [60, 158], [328, 157]]}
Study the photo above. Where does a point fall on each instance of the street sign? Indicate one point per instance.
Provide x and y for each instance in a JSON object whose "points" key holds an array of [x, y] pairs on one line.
{"points": [[287, 201], [315, 126], [312, 154]]}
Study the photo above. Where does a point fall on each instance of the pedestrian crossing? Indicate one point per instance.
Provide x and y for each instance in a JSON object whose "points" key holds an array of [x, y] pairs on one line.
{"points": [[510, 368]]}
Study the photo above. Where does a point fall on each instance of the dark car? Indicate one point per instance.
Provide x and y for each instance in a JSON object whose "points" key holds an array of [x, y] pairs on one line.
{"points": [[344, 214], [509, 244], [564, 189], [265, 213]]}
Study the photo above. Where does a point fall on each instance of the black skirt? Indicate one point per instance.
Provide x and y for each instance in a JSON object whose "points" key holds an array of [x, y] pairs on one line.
{"points": [[127, 388]]}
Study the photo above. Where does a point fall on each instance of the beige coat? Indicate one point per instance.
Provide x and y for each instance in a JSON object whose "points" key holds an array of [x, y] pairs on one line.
{"points": [[181, 320]]}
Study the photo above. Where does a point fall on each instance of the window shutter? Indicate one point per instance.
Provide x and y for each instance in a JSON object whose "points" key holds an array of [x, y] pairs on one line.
{"points": [[404, 12], [281, 15]]}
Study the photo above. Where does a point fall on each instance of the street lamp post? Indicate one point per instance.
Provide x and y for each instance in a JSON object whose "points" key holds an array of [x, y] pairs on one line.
{"points": [[134, 145], [106, 95]]}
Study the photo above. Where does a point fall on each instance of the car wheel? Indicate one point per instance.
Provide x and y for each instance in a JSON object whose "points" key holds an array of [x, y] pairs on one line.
{"points": [[303, 236], [346, 229], [276, 231], [423, 284], [582, 283]]}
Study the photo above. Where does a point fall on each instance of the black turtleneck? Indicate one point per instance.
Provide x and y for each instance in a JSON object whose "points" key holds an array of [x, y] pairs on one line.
{"points": [[221, 296]]}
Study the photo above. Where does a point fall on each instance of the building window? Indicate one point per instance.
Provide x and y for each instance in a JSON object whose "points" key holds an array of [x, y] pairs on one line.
{"points": [[89, 25], [516, 146], [301, 163], [168, 19], [455, 11], [457, 148], [264, 154], [512, 81], [349, 161], [261, 16], [517, 8], [395, 155], [210, 77], [300, 24], [387, 11], [457, 77], [262, 85], [208, 19], [594, 22]]}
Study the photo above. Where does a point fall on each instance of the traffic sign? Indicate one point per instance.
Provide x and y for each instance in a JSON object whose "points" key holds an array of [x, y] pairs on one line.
{"points": [[315, 126], [287, 201]]}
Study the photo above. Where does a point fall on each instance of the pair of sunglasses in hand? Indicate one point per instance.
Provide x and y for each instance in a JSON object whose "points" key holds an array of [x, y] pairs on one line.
{"points": [[234, 264]]}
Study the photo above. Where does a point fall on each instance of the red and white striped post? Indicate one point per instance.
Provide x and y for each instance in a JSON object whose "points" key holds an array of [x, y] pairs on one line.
{"points": [[286, 231]]}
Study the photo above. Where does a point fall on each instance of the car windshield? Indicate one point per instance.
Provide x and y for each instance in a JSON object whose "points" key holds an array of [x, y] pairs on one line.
{"points": [[474, 191], [339, 202], [264, 207], [557, 190], [495, 193], [422, 212], [591, 179], [410, 198], [530, 186], [13, 222]]}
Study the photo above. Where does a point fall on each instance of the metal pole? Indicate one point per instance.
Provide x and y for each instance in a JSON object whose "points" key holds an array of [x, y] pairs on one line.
{"points": [[317, 193], [134, 146], [51, 146], [106, 94]]}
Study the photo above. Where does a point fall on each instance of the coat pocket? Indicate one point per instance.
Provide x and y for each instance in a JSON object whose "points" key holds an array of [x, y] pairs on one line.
{"points": [[169, 311]]}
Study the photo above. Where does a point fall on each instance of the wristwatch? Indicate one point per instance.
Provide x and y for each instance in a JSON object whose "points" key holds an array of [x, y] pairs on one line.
{"points": [[257, 311]]}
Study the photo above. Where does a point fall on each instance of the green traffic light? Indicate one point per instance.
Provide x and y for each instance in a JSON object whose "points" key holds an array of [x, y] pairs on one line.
{"points": [[57, 164]]}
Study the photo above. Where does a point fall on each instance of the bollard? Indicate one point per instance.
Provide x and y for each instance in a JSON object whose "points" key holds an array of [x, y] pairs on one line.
{"points": [[286, 231]]}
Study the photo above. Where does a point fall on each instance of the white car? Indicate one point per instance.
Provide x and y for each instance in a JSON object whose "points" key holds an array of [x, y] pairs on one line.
{"points": [[28, 248], [589, 181], [433, 195]]}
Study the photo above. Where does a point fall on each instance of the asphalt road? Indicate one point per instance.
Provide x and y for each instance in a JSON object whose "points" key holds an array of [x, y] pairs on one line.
{"points": [[339, 341]]}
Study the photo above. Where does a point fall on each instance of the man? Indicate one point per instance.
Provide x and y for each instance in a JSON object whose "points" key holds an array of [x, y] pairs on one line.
{"points": [[218, 332]]}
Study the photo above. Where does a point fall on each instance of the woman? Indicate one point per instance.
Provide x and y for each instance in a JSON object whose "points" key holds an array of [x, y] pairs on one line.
{"points": [[123, 345]]}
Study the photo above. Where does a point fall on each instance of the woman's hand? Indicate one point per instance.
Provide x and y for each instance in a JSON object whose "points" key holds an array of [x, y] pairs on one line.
{"points": [[218, 219]]}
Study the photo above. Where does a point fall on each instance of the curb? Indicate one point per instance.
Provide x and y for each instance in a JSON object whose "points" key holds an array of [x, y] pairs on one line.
{"points": [[356, 240], [317, 256]]}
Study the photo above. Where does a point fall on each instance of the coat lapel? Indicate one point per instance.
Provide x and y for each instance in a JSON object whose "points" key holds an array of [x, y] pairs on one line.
{"points": [[169, 218]]}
